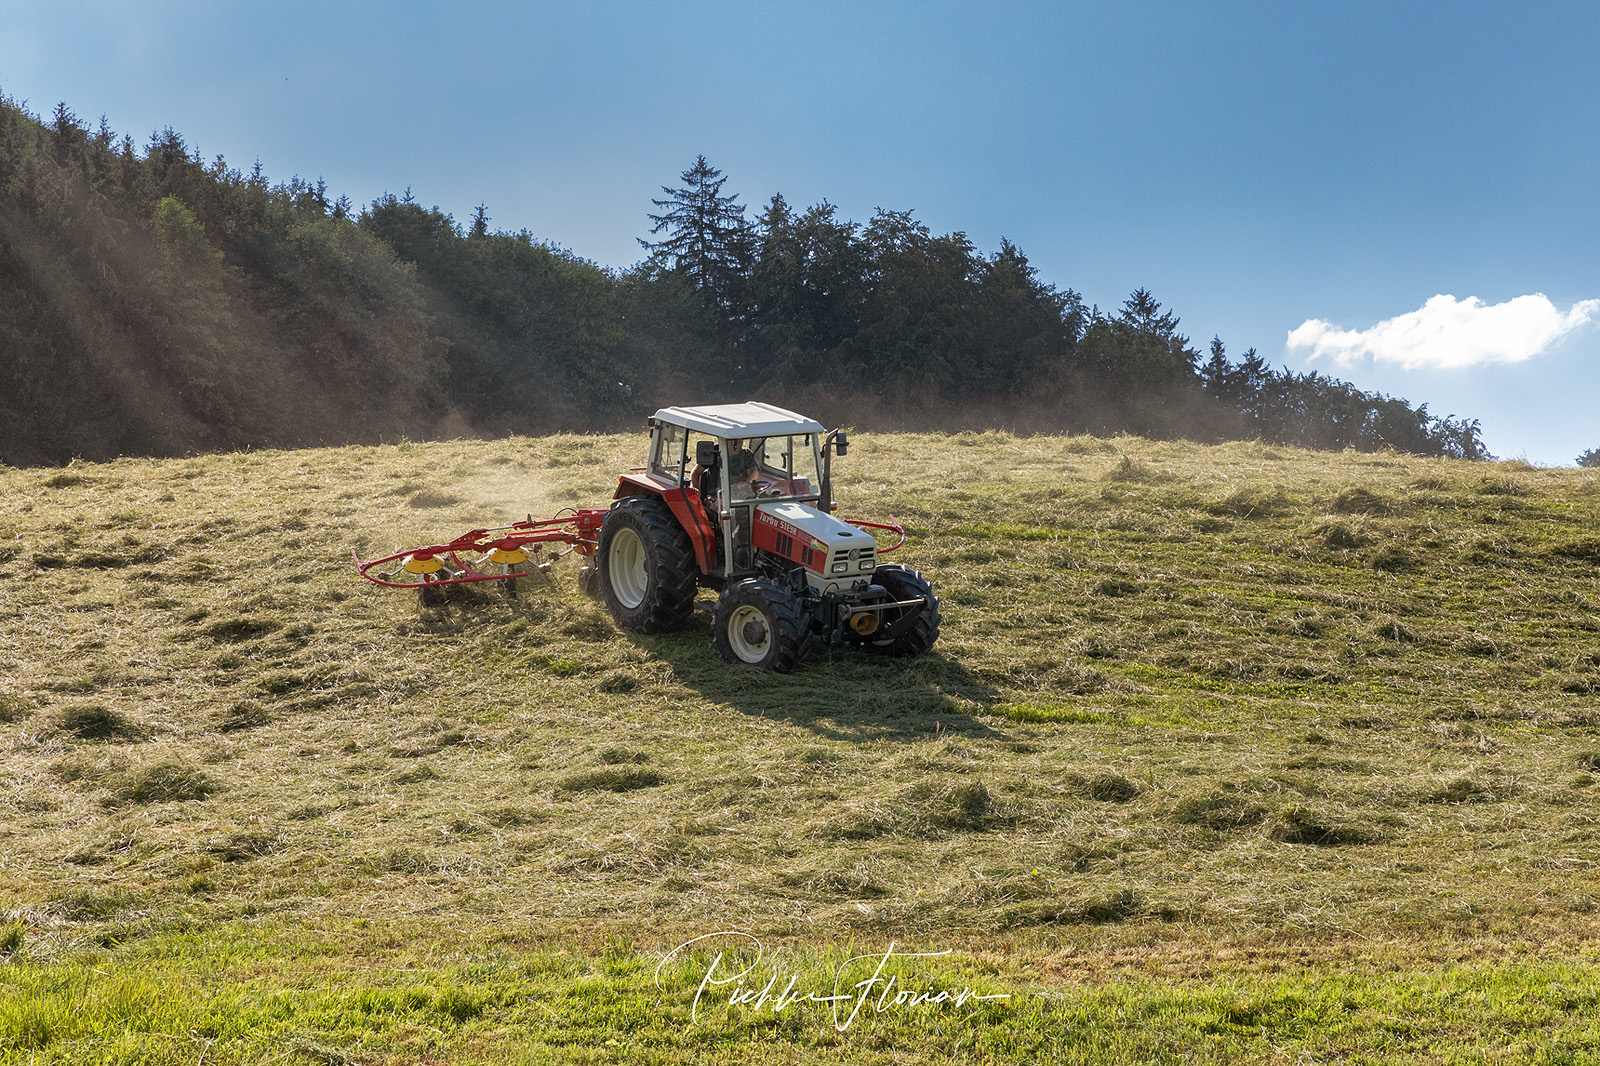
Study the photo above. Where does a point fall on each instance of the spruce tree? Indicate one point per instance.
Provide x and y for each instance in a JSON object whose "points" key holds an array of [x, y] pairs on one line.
{"points": [[707, 235]]}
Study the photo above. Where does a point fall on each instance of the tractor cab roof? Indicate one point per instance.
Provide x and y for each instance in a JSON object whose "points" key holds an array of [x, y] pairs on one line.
{"points": [[739, 420]]}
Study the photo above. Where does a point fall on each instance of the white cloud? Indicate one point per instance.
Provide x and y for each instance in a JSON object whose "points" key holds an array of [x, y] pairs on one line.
{"points": [[1450, 334]]}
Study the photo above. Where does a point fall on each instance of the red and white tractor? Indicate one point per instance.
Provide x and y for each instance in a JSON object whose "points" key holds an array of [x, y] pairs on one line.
{"points": [[734, 497]]}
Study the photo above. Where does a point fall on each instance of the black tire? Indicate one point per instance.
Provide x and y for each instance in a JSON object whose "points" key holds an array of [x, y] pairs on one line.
{"points": [[760, 624], [904, 583], [647, 572]]}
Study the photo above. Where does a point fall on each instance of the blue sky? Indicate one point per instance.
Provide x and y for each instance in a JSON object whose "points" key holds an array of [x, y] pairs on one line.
{"points": [[1322, 169]]}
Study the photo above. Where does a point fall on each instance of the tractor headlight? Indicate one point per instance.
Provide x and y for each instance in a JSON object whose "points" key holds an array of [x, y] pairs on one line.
{"points": [[841, 566]]}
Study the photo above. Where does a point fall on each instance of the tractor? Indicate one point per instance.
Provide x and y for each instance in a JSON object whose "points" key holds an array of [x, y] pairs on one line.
{"points": [[734, 497], [753, 518]]}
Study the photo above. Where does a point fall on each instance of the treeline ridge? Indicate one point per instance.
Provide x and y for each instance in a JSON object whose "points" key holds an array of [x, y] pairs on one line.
{"points": [[153, 303]]}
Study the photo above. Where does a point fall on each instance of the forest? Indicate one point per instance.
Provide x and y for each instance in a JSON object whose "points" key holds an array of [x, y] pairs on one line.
{"points": [[154, 303]]}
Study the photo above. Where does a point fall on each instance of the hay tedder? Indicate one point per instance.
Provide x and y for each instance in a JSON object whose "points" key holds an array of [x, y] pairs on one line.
{"points": [[736, 498], [508, 554]]}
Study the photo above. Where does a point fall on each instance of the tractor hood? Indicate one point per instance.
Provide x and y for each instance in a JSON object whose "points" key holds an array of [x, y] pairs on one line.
{"points": [[832, 551]]}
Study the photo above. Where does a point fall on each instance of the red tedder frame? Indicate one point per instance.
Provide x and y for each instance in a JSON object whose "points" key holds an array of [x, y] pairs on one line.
{"points": [[580, 531]]}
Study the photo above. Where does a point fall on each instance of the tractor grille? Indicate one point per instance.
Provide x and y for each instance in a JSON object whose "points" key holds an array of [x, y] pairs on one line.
{"points": [[853, 560]]}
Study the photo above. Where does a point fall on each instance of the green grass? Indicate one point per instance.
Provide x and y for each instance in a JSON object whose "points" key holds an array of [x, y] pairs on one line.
{"points": [[283, 995], [1237, 752]]}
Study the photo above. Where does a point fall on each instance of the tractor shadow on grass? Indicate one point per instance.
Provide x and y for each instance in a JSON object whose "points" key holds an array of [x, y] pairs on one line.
{"points": [[842, 693]]}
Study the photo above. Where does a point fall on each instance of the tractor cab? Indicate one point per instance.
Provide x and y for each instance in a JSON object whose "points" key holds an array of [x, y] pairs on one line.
{"points": [[715, 466]]}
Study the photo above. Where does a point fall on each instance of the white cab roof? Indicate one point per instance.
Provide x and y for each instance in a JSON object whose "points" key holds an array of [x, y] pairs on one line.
{"points": [[739, 420]]}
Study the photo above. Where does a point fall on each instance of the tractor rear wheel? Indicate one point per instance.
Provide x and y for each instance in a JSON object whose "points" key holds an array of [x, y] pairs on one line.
{"points": [[904, 583], [646, 566], [759, 624]]}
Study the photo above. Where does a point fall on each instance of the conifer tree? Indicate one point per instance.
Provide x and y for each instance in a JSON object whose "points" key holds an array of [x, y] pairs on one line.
{"points": [[707, 235]]}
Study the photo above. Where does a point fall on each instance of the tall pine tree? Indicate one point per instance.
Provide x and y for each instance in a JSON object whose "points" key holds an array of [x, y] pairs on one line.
{"points": [[707, 235]]}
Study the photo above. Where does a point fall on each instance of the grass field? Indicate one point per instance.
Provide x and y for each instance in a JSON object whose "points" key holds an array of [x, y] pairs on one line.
{"points": [[1225, 753]]}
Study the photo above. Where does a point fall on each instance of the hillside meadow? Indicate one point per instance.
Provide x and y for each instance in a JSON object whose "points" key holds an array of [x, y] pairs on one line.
{"points": [[1232, 753]]}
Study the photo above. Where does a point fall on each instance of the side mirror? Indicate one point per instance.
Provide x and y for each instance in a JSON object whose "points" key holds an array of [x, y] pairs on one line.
{"points": [[843, 444], [705, 452]]}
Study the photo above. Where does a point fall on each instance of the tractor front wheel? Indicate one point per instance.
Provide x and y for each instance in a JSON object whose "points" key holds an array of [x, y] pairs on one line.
{"points": [[903, 583], [647, 571], [760, 624]]}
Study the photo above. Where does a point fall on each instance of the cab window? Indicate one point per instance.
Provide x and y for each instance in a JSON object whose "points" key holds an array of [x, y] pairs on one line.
{"points": [[667, 458], [778, 455]]}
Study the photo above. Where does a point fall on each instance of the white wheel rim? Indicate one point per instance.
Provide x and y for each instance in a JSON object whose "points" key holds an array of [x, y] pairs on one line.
{"points": [[629, 579], [748, 650]]}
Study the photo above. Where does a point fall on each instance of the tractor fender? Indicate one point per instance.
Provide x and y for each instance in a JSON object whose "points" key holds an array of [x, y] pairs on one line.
{"points": [[686, 508]]}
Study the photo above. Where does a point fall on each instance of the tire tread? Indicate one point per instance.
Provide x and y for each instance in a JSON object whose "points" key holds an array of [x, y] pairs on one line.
{"points": [[669, 558], [792, 635]]}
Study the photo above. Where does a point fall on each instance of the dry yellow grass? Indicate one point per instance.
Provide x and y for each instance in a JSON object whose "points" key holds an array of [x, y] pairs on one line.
{"points": [[1190, 704]]}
